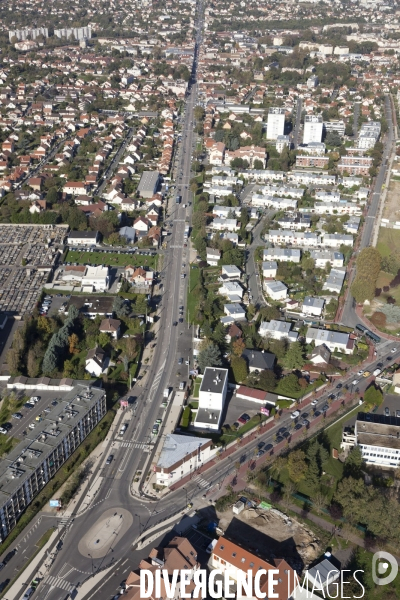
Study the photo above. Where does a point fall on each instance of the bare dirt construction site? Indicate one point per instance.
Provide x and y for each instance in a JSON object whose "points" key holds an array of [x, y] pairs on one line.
{"points": [[271, 534]]}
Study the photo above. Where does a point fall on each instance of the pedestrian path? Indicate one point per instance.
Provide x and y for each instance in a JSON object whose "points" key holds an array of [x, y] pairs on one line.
{"points": [[59, 582]]}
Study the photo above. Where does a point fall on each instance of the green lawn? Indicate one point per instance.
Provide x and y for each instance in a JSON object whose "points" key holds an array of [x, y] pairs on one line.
{"points": [[196, 390], [102, 258], [194, 275], [389, 242]]}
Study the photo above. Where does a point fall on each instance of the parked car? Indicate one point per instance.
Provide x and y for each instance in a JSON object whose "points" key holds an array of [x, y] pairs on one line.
{"points": [[244, 418], [17, 415], [295, 414]]}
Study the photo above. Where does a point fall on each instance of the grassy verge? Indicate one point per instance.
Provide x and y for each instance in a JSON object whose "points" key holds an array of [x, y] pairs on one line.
{"points": [[194, 275], [104, 258], [75, 460]]}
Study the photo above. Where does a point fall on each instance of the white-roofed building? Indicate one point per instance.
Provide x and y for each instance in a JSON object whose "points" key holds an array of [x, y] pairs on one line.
{"points": [[277, 330]]}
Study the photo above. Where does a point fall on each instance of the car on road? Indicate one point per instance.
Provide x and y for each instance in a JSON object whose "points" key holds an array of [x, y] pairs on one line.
{"points": [[360, 373], [295, 414], [244, 418], [305, 422], [304, 415], [317, 413], [17, 416], [380, 365], [339, 385], [260, 453], [268, 447], [260, 445], [325, 407], [279, 439], [393, 350], [54, 403], [354, 382], [314, 402], [286, 435], [387, 412], [298, 426], [110, 459], [367, 373], [180, 361], [181, 385]]}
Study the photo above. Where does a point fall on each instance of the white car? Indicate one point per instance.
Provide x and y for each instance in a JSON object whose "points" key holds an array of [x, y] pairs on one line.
{"points": [[295, 414], [393, 350], [360, 373], [355, 382], [314, 402]]}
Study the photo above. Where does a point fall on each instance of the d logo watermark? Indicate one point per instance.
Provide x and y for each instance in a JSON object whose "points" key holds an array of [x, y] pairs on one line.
{"points": [[383, 562]]}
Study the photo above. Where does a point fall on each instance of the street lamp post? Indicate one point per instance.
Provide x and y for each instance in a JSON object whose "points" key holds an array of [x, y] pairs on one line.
{"points": [[92, 562], [140, 523]]}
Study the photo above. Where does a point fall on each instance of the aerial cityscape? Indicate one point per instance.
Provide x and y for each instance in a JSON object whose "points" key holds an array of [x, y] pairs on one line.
{"points": [[199, 299]]}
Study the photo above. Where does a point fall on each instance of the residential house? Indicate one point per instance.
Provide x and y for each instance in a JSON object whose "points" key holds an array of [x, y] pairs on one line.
{"points": [[334, 340], [111, 326], [96, 362], [313, 306], [277, 330], [213, 256], [275, 289]]}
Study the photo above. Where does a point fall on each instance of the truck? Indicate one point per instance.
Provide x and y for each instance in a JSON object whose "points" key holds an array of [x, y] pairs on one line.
{"points": [[377, 372], [166, 393]]}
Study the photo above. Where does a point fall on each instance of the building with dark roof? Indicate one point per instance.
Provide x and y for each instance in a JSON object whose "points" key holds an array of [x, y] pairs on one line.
{"points": [[259, 360]]}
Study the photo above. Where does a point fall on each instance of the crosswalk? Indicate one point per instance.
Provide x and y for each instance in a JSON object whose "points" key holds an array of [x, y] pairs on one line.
{"points": [[200, 481], [133, 444], [60, 583], [64, 521]]}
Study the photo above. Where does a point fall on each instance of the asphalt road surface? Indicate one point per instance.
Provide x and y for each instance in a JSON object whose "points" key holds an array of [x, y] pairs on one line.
{"points": [[349, 316]]}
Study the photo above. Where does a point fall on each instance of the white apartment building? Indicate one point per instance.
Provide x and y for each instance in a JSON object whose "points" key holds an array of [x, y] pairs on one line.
{"points": [[308, 178], [334, 281], [302, 238], [369, 134], [231, 289], [282, 254], [269, 269], [333, 340], [324, 196], [378, 439], [261, 201], [225, 224], [277, 330], [335, 208], [281, 142], [335, 240], [313, 306], [275, 123], [323, 257], [313, 125], [212, 397], [275, 290]]}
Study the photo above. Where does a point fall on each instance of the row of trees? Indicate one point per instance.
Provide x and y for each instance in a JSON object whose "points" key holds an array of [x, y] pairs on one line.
{"points": [[368, 269]]}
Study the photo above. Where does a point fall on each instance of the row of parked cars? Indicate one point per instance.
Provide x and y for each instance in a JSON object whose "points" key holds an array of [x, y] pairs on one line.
{"points": [[45, 306]]}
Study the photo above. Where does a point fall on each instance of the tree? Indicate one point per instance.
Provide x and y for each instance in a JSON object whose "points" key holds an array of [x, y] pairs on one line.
{"points": [[289, 489], [13, 360], [103, 339], [289, 385], [352, 495], [210, 356], [130, 348], [239, 368], [120, 307], [238, 347], [373, 397], [368, 268], [267, 380], [50, 360], [297, 465], [354, 463], [278, 466], [294, 358], [258, 164], [73, 341], [32, 364], [319, 502]]}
